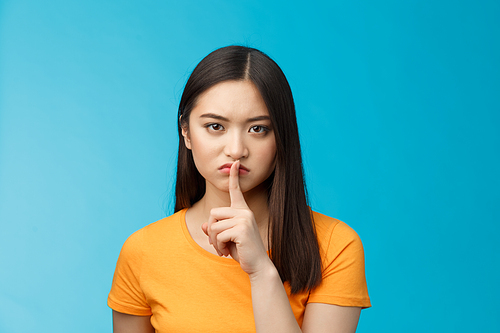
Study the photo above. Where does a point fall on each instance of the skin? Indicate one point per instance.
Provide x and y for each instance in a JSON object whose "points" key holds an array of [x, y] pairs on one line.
{"points": [[229, 125]]}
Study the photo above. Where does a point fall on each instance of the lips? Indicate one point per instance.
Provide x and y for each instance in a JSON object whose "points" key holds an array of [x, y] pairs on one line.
{"points": [[228, 167]]}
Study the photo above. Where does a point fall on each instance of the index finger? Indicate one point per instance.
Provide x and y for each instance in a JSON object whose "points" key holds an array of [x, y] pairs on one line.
{"points": [[235, 194]]}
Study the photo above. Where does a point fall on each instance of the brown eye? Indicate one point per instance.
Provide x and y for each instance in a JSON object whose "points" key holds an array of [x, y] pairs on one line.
{"points": [[215, 127], [258, 129]]}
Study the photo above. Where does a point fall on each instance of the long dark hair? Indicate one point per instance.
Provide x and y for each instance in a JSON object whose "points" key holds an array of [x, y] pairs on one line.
{"points": [[294, 246]]}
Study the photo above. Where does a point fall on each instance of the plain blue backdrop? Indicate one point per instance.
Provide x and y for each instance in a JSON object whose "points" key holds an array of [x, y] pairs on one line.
{"points": [[398, 108]]}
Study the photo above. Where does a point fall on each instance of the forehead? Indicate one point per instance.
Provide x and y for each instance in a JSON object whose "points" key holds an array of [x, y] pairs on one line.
{"points": [[234, 100]]}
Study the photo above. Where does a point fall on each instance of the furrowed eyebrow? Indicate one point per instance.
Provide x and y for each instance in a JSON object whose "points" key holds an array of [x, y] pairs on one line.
{"points": [[258, 118], [214, 116], [219, 117]]}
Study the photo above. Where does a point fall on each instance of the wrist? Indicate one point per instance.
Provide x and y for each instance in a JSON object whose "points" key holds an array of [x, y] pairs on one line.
{"points": [[265, 273]]}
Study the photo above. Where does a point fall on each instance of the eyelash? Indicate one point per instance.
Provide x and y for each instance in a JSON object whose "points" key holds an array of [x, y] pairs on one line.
{"points": [[263, 129], [210, 126]]}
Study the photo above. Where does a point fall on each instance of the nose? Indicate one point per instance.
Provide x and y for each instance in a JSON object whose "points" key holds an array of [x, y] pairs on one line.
{"points": [[236, 147]]}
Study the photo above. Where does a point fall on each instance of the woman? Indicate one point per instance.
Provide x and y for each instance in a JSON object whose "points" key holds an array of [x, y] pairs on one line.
{"points": [[243, 252]]}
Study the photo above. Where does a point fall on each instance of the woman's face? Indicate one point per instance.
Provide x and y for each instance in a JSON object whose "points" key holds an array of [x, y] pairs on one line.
{"points": [[230, 122]]}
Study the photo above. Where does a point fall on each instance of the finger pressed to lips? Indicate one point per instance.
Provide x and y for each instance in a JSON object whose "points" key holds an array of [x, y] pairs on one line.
{"points": [[223, 219], [235, 194]]}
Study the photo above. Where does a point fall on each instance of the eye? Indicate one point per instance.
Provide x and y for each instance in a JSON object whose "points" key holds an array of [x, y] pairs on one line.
{"points": [[259, 129], [214, 127]]}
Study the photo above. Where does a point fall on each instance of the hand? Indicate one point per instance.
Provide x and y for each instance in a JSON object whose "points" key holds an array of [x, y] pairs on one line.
{"points": [[233, 230]]}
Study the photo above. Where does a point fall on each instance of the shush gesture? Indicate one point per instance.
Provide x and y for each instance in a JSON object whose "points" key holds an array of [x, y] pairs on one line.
{"points": [[237, 106], [233, 231]]}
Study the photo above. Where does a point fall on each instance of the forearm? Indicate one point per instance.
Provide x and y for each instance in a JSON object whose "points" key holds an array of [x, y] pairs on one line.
{"points": [[271, 308]]}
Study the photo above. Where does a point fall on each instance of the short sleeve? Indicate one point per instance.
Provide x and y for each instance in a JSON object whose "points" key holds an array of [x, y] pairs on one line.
{"points": [[126, 295], [344, 281]]}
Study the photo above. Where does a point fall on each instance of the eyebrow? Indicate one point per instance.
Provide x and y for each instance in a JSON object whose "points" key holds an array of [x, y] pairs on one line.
{"points": [[219, 117]]}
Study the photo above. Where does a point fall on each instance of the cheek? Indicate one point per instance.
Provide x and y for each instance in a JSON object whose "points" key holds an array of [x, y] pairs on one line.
{"points": [[267, 154], [203, 152], [270, 148], [197, 142]]}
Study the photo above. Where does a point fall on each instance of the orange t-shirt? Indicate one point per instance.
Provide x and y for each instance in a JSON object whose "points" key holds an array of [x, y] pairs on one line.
{"points": [[163, 272]]}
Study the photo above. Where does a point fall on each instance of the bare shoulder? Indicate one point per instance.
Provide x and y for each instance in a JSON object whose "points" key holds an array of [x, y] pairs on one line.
{"points": [[125, 323]]}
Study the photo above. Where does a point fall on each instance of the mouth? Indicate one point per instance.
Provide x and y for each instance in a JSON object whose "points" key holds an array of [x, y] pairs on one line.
{"points": [[227, 167]]}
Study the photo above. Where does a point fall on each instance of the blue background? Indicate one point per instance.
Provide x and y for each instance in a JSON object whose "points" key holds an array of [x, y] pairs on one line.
{"points": [[398, 108]]}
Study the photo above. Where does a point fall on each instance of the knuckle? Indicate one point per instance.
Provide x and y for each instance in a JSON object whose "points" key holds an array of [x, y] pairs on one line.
{"points": [[245, 228], [248, 214]]}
